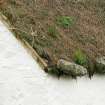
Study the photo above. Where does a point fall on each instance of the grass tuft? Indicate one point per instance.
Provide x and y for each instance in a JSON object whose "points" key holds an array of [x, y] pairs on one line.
{"points": [[52, 31], [80, 58], [65, 21]]}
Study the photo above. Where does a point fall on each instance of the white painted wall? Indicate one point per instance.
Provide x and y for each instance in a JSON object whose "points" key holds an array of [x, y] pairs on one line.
{"points": [[22, 82]]}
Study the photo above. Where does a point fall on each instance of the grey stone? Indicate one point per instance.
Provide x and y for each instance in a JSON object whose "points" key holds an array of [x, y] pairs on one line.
{"points": [[71, 68], [100, 64]]}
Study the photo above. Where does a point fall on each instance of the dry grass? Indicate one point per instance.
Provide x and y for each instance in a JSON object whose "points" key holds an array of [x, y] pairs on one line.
{"points": [[31, 19]]}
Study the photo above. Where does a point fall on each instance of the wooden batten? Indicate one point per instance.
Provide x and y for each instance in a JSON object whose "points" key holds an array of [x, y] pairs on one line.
{"points": [[29, 48]]}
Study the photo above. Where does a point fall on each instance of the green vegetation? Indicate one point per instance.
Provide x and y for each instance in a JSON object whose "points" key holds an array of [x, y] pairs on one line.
{"points": [[65, 21], [80, 58], [52, 31]]}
